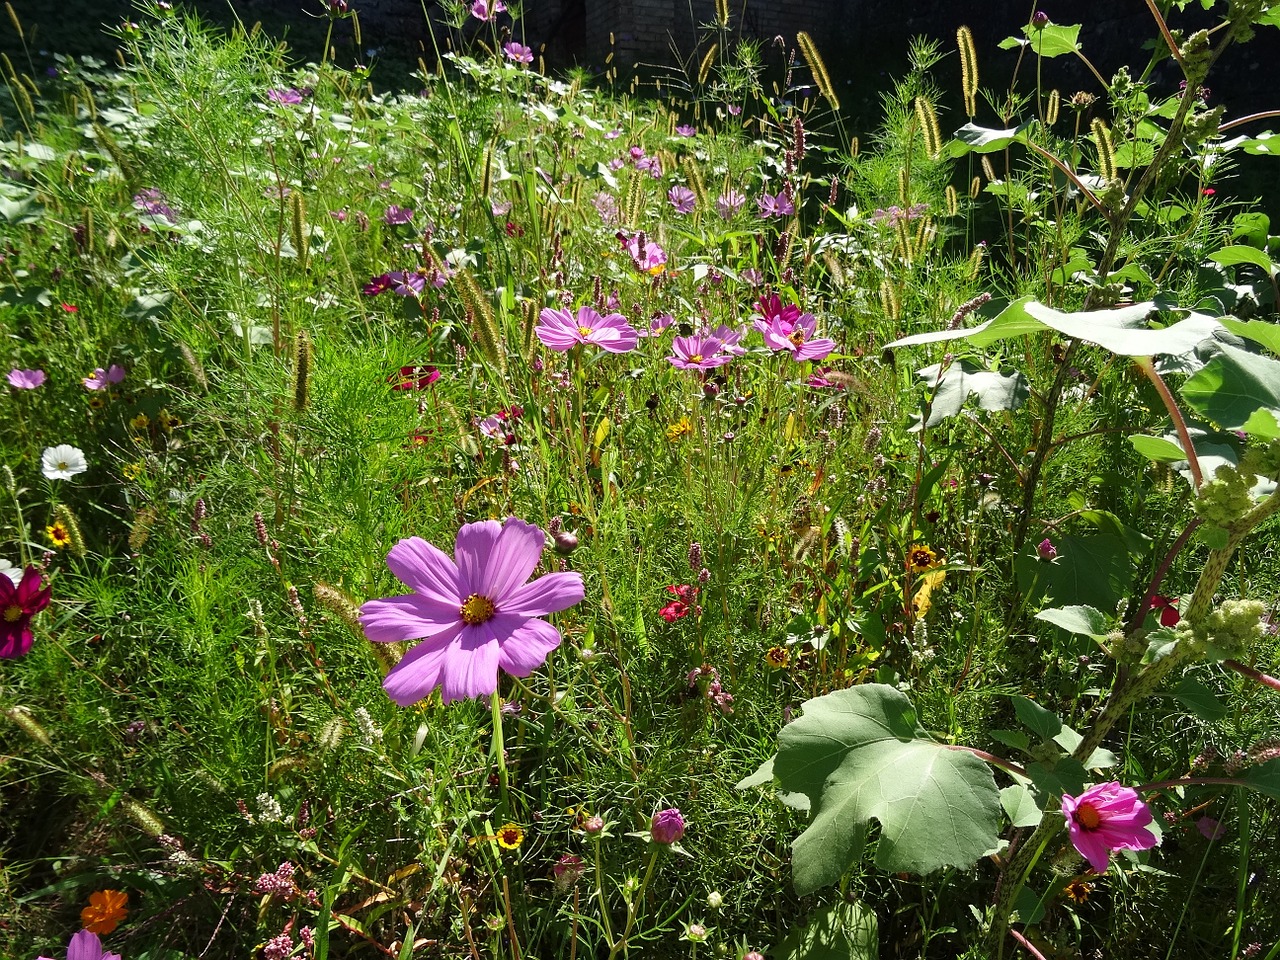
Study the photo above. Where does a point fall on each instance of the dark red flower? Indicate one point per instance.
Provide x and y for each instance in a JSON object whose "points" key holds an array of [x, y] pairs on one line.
{"points": [[679, 607], [414, 378], [18, 604], [377, 285], [1168, 607]]}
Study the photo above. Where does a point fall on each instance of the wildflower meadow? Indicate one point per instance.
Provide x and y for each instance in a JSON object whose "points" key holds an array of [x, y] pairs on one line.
{"points": [[562, 514]]}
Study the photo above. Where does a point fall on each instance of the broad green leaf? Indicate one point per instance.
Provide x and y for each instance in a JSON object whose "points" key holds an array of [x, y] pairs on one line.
{"points": [[1041, 721], [762, 776], [1135, 153], [1264, 144], [995, 389], [1030, 906], [1232, 256], [25, 210], [1053, 779], [1263, 422], [1253, 228], [1265, 778], [1233, 387], [1160, 643], [1011, 738], [1157, 449], [1082, 620], [972, 138], [1020, 805], [1199, 699], [860, 755], [1095, 570], [1048, 41], [1012, 321], [840, 931], [1259, 331], [1124, 331]]}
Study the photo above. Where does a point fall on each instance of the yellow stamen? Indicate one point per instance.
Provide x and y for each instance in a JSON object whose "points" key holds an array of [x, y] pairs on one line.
{"points": [[585, 331], [13, 613], [477, 609], [1088, 817]]}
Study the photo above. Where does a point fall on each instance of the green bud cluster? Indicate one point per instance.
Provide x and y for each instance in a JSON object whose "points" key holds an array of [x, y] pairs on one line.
{"points": [[1197, 53], [1233, 628], [1262, 461], [1203, 125], [1225, 499]]}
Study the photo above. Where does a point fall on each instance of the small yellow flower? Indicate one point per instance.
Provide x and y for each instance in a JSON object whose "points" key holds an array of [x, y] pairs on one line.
{"points": [[58, 534], [97, 402], [132, 471], [105, 911], [1077, 889], [921, 558], [509, 836], [168, 422], [777, 657], [140, 422], [681, 428]]}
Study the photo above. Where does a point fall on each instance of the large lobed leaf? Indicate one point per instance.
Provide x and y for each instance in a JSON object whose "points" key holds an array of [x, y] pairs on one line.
{"points": [[860, 755]]}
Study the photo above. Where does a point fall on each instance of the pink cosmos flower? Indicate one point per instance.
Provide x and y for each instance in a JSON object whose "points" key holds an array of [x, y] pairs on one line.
{"points": [[396, 215], [474, 614], [85, 945], [771, 308], [729, 203], [1107, 817], [487, 9], [561, 330], [779, 206], [26, 379], [730, 339], [18, 604], [667, 826], [289, 96], [685, 130], [414, 378], [697, 353], [101, 379], [518, 52], [647, 256], [798, 339], [682, 199]]}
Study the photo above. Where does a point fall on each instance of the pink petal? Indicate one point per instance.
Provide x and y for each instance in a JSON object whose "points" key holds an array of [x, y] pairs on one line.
{"points": [[550, 593], [85, 945], [496, 567], [418, 673], [471, 664], [525, 646], [426, 570], [408, 617]]}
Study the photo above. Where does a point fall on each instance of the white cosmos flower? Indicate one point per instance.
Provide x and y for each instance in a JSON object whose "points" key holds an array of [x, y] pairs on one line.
{"points": [[7, 569], [63, 462]]}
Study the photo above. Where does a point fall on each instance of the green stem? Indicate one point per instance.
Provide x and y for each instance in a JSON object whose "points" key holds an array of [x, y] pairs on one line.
{"points": [[499, 754], [604, 904], [633, 908]]}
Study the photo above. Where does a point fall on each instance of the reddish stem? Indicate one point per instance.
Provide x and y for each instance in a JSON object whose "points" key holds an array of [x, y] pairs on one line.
{"points": [[1252, 674], [1026, 944]]}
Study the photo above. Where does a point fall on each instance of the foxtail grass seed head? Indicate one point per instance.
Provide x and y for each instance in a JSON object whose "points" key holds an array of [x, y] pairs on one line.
{"points": [[975, 188], [975, 260], [140, 532], [708, 61], [1051, 107], [63, 515], [903, 186], [13, 18], [144, 816], [809, 50], [722, 12], [298, 226], [968, 70], [927, 118], [1106, 150], [953, 201], [21, 716], [302, 361], [339, 603], [988, 170]]}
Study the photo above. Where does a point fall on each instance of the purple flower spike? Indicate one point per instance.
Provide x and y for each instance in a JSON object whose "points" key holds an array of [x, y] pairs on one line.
{"points": [[1107, 817], [26, 379], [561, 330], [667, 826], [475, 614]]}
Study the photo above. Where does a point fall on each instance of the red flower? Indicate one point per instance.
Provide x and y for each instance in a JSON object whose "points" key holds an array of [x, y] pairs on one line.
{"points": [[70, 307], [18, 604], [414, 378], [679, 607], [1168, 607]]}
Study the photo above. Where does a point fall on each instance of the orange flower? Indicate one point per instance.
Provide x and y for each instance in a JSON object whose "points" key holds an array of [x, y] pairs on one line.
{"points": [[105, 910]]}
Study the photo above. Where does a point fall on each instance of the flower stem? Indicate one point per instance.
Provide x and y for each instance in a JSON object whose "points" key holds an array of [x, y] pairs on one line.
{"points": [[500, 755], [633, 908]]}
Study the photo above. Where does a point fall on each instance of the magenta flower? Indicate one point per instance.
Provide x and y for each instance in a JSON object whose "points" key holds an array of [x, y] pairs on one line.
{"points": [[682, 199], [85, 945], [26, 379], [779, 206], [685, 130], [561, 330], [647, 256], [414, 378], [18, 604], [474, 614], [697, 353], [518, 52], [1107, 817], [487, 9], [729, 203], [101, 379], [289, 96], [730, 339], [771, 308], [1046, 549], [798, 339], [667, 826], [397, 215]]}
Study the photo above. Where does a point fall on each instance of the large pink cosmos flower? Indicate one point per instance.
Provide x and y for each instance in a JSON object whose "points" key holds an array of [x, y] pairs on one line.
{"points": [[771, 308], [560, 330], [18, 604], [474, 614], [1107, 817], [797, 338], [647, 256], [697, 353], [85, 945]]}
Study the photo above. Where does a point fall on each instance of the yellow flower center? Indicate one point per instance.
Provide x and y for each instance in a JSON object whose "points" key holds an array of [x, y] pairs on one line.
{"points": [[585, 331], [695, 358], [797, 336], [13, 613], [1088, 817], [477, 609]]}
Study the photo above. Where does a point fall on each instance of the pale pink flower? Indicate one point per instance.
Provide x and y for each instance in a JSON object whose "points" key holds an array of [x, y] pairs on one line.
{"points": [[561, 330]]}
